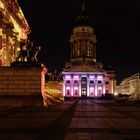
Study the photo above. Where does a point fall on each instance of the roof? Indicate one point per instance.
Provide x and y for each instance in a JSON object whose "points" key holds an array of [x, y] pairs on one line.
{"points": [[15, 15], [84, 68], [83, 18]]}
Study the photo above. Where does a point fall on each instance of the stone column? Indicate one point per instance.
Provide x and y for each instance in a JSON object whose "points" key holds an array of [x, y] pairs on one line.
{"points": [[71, 51], [88, 86], [64, 87], [104, 86], [4, 47], [71, 88], [91, 49], [1, 48], [111, 85], [78, 48], [96, 88], [17, 46], [88, 49], [94, 50], [79, 86], [7, 49], [84, 47]]}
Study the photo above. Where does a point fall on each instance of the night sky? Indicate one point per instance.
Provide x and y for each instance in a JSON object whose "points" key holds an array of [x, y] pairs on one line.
{"points": [[116, 24]]}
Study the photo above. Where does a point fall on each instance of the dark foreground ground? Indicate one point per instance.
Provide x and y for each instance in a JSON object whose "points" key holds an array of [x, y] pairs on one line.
{"points": [[74, 120]]}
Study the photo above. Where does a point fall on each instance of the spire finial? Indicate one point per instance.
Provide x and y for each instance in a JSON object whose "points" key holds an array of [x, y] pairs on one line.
{"points": [[83, 6]]}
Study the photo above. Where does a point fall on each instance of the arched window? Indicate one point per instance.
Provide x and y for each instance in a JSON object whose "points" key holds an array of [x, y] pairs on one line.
{"points": [[88, 50]]}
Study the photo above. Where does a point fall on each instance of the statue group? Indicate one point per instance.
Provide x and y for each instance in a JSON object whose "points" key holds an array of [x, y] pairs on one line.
{"points": [[28, 52]]}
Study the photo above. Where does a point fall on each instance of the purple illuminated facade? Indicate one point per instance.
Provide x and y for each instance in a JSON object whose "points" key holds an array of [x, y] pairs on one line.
{"points": [[87, 81], [83, 75]]}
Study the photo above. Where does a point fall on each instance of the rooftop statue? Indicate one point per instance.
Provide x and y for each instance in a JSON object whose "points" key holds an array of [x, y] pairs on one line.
{"points": [[28, 52]]}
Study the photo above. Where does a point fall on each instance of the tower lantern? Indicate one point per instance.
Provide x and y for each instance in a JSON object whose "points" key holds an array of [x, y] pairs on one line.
{"points": [[83, 39], [83, 44]]}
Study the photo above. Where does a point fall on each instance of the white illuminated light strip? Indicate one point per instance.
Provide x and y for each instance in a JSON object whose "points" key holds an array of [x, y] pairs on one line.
{"points": [[67, 87], [99, 77], [76, 77], [92, 77], [67, 77], [75, 87]]}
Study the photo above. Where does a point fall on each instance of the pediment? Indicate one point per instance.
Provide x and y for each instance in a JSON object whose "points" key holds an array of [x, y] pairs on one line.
{"points": [[84, 68]]}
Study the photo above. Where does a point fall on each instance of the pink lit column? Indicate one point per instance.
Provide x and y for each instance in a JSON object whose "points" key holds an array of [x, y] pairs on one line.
{"points": [[104, 87], [111, 85], [88, 87], [95, 88], [72, 88], [79, 88], [64, 88]]}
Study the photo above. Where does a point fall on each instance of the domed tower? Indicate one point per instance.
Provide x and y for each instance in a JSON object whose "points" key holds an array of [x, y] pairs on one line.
{"points": [[83, 40], [83, 76]]}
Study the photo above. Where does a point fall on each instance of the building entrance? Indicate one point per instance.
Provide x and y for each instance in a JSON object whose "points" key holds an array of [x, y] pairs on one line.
{"points": [[83, 87]]}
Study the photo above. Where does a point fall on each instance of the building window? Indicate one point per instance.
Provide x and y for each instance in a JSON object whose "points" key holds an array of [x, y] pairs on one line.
{"points": [[92, 82], [83, 29], [73, 49], [83, 82], [106, 82], [106, 91], [68, 92], [88, 50], [78, 50], [76, 92], [92, 91], [68, 82], [75, 81], [91, 49], [99, 82], [84, 92], [99, 92]]}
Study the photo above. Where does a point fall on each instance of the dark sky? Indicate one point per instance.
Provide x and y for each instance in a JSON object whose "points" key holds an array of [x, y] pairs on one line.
{"points": [[116, 24]]}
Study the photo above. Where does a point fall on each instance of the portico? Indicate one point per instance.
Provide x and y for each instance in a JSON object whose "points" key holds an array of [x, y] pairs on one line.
{"points": [[87, 82]]}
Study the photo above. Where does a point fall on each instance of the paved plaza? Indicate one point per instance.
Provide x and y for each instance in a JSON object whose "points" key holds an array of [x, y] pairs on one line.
{"points": [[73, 120]]}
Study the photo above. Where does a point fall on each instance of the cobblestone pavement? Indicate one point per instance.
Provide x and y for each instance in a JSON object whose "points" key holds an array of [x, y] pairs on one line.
{"points": [[103, 121], [73, 120]]}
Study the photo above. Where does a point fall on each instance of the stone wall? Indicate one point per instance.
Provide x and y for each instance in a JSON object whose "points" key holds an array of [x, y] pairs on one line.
{"points": [[21, 86]]}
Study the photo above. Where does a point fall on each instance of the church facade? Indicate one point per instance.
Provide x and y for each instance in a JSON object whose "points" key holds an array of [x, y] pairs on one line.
{"points": [[83, 76]]}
